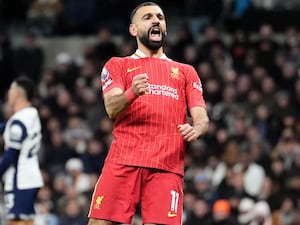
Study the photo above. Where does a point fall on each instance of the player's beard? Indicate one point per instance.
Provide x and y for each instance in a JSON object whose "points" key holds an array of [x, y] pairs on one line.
{"points": [[152, 45]]}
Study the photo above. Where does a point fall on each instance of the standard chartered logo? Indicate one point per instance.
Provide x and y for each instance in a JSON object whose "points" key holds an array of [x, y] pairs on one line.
{"points": [[164, 90]]}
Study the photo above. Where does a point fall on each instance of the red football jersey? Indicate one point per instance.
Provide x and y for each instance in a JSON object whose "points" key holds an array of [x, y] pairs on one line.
{"points": [[146, 134]]}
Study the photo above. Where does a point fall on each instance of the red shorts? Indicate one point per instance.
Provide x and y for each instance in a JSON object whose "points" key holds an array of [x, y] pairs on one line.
{"points": [[121, 187]]}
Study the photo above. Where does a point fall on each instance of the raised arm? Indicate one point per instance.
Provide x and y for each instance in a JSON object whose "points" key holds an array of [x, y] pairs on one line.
{"points": [[116, 100]]}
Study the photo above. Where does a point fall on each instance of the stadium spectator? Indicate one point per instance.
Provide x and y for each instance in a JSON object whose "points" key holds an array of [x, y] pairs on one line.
{"points": [[29, 58], [202, 13], [73, 214], [6, 62], [287, 211], [245, 211], [105, 47], [56, 153], [65, 71], [77, 17], [222, 213], [183, 38], [94, 156], [44, 215], [261, 214], [200, 213], [76, 178], [43, 15]]}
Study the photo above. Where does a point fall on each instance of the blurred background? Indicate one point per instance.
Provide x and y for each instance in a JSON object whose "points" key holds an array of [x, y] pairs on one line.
{"points": [[246, 170]]}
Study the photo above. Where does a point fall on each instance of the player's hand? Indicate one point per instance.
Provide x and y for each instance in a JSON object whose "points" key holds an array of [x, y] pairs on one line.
{"points": [[140, 84], [188, 132]]}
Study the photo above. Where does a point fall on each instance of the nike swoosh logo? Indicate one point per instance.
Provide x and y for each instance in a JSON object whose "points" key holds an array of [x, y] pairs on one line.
{"points": [[133, 69], [171, 214]]}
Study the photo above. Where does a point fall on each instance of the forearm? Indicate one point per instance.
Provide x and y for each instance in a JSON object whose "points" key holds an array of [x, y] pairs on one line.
{"points": [[2, 127], [117, 104], [201, 127], [117, 101], [200, 121], [10, 156]]}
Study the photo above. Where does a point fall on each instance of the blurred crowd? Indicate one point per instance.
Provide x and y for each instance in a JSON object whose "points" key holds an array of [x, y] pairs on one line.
{"points": [[246, 170], [84, 17]]}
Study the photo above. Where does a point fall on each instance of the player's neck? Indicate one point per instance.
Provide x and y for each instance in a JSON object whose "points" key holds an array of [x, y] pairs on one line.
{"points": [[150, 53], [21, 105]]}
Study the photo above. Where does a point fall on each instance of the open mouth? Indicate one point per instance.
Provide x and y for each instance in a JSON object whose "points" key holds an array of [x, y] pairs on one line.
{"points": [[155, 33]]}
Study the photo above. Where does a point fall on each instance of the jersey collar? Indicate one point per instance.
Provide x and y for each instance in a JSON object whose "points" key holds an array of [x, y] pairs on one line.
{"points": [[139, 54]]}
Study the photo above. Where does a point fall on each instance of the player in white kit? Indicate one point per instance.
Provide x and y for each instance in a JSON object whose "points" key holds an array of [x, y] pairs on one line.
{"points": [[19, 165]]}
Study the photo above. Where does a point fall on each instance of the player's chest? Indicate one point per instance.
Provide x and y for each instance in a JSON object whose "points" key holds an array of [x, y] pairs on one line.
{"points": [[160, 72]]}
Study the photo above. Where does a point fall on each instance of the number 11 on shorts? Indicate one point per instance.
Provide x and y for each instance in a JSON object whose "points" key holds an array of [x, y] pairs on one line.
{"points": [[174, 201]]}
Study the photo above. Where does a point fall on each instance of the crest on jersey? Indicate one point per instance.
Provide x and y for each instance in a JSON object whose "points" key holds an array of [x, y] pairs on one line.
{"points": [[175, 72], [98, 201]]}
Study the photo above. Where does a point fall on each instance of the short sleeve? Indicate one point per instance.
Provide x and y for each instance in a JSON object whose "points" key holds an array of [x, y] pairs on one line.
{"points": [[16, 133], [194, 91], [111, 74]]}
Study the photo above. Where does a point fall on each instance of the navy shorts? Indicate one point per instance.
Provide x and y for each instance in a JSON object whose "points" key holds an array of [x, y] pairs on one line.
{"points": [[20, 204]]}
